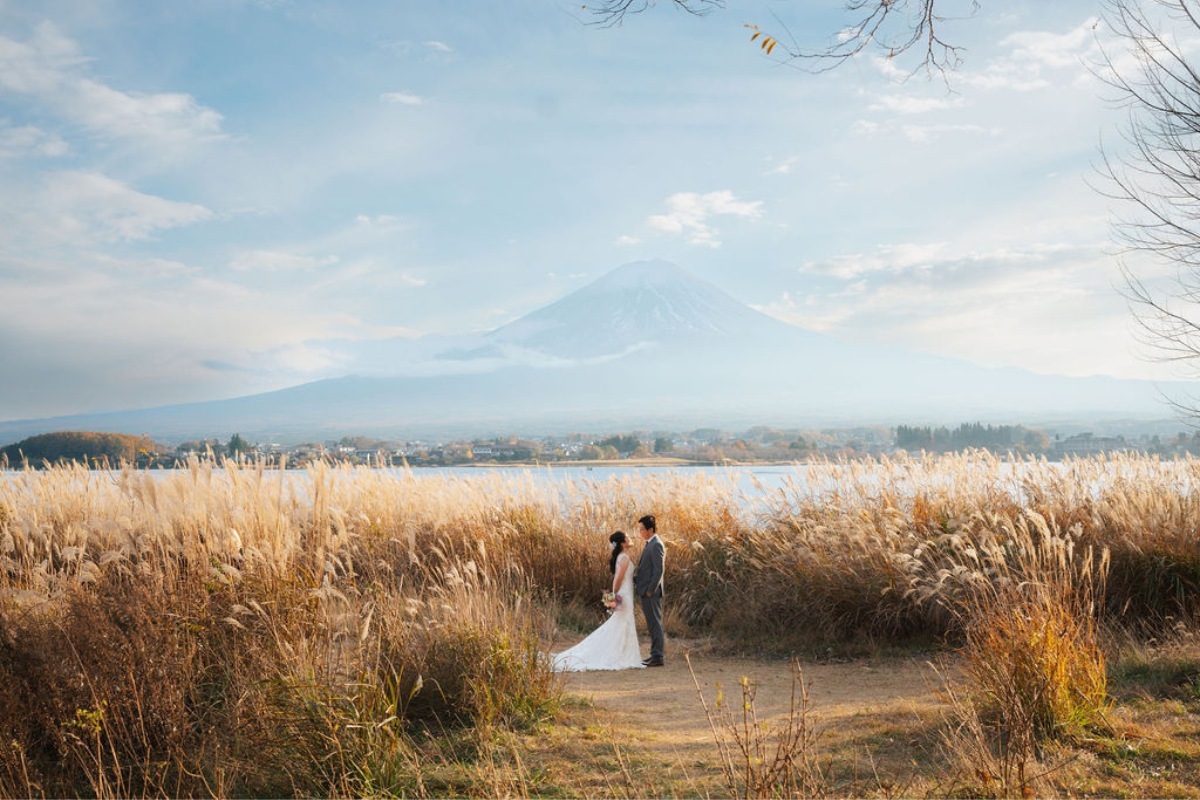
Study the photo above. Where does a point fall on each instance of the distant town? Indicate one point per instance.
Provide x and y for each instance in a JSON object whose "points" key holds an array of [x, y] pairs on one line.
{"points": [[702, 446]]}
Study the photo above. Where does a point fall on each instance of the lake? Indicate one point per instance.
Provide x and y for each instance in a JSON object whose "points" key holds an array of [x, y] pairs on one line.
{"points": [[750, 480], [753, 482]]}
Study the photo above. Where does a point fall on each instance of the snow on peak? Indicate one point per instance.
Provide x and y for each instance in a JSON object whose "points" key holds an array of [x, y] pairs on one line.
{"points": [[637, 274], [640, 302]]}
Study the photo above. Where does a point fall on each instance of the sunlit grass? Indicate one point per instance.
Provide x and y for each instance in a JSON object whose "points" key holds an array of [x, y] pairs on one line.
{"points": [[230, 629]]}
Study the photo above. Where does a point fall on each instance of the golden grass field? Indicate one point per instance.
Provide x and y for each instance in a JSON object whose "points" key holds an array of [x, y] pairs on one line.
{"points": [[227, 630]]}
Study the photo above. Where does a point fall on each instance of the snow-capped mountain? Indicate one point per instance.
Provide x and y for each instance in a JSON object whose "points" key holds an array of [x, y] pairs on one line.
{"points": [[638, 306], [647, 345], [642, 304]]}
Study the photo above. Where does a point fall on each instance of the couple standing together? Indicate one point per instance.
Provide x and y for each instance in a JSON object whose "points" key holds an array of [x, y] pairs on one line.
{"points": [[614, 645]]}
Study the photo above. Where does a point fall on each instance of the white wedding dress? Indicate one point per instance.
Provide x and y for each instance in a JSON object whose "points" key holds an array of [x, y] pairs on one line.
{"points": [[614, 645]]}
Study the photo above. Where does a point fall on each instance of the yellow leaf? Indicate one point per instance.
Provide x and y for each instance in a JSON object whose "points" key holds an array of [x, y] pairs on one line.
{"points": [[756, 35], [772, 47]]}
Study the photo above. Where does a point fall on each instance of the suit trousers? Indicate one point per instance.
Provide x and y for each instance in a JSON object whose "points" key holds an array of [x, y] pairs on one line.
{"points": [[652, 609]]}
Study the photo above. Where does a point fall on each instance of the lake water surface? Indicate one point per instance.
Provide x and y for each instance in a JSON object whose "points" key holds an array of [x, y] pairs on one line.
{"points": [[753, 483]]}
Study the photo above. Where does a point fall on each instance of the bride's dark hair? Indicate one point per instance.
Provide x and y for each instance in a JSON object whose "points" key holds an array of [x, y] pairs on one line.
{"points": [[618, 545]]}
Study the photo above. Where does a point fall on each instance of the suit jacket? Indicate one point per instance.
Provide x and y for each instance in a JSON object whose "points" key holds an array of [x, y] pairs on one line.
{"points": [[648, 577]]}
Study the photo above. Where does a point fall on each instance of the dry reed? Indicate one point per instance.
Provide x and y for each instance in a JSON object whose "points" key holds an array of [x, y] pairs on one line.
{"points": [[199, 601], [761, 759]]}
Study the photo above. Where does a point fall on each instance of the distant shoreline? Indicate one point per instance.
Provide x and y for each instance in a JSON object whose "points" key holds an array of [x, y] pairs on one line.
{"points": [[610, 464], [626, 462]]}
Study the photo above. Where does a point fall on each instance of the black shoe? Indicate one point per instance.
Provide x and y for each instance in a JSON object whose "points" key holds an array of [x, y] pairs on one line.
{"points": [[653, 662]]}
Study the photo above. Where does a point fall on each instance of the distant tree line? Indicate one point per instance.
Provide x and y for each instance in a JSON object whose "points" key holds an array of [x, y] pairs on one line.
{"points": [[236, 444], [622, 444], [970, 434], [81, 446]]}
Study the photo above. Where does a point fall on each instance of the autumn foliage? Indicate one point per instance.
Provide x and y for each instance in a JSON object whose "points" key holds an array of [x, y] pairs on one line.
{"points": [[84, 446]]}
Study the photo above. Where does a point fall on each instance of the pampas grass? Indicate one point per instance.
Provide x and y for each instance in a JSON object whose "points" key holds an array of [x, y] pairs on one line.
{"points": [[231, 631], [221, 628]]}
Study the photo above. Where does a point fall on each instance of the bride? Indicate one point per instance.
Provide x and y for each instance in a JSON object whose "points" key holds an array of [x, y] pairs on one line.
{"points": [[614, 645]]}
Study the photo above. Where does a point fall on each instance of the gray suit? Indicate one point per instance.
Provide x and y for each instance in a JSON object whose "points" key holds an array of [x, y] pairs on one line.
{"points": [[648, 578]]}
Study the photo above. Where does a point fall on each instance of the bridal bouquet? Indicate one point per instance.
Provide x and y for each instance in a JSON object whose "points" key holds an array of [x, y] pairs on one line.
{"points": [[611, 600]]}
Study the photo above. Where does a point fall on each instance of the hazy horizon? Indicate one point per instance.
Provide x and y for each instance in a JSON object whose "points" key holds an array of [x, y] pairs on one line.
{"points": [[194, 212]]}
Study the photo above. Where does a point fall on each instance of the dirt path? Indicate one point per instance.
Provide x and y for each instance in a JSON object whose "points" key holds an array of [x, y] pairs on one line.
{"points": [[882, 731], [659, 706]]}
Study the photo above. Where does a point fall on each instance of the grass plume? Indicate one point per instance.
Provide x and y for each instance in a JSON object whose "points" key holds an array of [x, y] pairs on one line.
{"points": [[222, 628]]}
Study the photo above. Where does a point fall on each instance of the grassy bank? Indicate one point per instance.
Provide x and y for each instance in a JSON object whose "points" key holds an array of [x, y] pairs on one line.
{"points": [[228, 630]]}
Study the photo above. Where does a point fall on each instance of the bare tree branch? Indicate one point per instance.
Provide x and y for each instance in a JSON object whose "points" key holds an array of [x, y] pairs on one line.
{"points": [[1157, 179], [894, 27], [612, 13], [891, 27]]}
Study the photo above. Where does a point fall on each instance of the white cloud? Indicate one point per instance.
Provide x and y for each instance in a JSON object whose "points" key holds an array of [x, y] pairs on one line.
{"points": [[285, 317], [1049, 307], [887, 66], [1037, 59], [804, 312], [87, 206], [176, 340], [782, 168], [51, 68], [385, 222], [155, 116], [1051, 49], [919, 133], [397, 46], [1034, 60], [927, 133], [401, 98], [27, 140], [302, 359], [436, 50], [908, 104], [40, 65], [272, 260], [627, 240], [148, 267], [1013, 81], [689, 213], [886, 258], [358, 257]]}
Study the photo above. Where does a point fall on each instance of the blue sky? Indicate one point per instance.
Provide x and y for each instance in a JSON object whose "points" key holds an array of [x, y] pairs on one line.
{"points": [[194, 197]]}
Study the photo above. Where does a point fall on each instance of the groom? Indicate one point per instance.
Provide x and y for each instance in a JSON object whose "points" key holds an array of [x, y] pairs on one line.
{"points": [[647, 582]]}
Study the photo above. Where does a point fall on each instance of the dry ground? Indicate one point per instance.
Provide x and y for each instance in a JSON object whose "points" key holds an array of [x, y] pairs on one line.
{"points": [[644, 731], [662, 705]]}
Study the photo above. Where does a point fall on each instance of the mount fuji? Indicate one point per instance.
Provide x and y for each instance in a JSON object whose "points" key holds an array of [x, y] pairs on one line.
{"points": [[647, 345]]}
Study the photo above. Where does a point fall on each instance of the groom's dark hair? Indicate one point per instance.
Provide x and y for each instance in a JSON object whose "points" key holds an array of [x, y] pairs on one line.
{"points": [[647, 522]]}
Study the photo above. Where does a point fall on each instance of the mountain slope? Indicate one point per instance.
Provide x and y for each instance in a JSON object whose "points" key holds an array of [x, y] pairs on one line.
{"points": [[638, 304], [645, 345]]}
